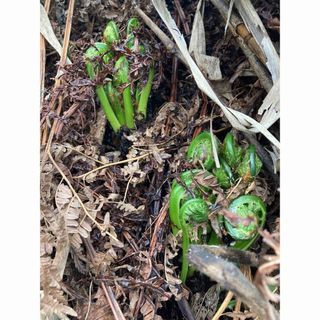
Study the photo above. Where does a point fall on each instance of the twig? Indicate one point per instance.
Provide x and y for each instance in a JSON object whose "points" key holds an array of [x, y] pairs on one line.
{"points": [[89, 303], [223, 306], [159, 222], [234, 255], [106, 289], [174, 75], [113, 164], [127, 188], [112, 302], [185, 309], [232, 279], [168, 43], [182, 16], [203, 112], [236, 23]]}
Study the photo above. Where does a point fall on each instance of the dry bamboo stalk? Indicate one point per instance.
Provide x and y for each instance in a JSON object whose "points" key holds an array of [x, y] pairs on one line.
{"points": [[247, 44], [260, 34]]}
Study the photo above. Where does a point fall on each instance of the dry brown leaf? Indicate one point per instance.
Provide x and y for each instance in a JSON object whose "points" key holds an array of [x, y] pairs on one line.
{"points": [[53, 304], [148, 310], [77, 223], [146, 267], [47, 31], [133, 298]]}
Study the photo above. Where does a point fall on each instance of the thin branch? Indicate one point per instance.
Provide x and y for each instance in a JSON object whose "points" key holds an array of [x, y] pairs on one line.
{"points": [[223, 306], [168, 43], [232, 279], [113, 164], [118, 315], [234, 255]]}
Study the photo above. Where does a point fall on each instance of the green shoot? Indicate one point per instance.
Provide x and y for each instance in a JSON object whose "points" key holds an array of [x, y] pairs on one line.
{"points": [[90, 55], [122, 77], [144, 95]]}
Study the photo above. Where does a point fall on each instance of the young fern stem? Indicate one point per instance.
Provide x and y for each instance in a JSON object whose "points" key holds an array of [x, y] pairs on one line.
{"points": [[186, 209], [122, 77], [115, 124], [144, 94], [128, 108], [113, 97]]}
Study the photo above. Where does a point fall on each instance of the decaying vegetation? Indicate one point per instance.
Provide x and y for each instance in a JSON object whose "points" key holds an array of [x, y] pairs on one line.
{"points": [[107, 246]]}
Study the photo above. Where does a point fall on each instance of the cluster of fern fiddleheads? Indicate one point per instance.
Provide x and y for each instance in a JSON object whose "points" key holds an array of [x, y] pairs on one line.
{"points": [[121, 99], [190, 202]]}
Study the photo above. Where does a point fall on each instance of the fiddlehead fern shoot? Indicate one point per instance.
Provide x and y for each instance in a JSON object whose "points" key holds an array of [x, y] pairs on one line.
{"points": [[108, 55], [188, 205]]}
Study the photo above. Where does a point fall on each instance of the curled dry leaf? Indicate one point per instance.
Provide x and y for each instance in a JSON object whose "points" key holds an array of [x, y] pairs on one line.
{"points": [[128, 208], [133, 172], [146, 267]]}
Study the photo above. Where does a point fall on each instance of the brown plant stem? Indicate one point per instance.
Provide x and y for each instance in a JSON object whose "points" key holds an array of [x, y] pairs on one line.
{"points": [[62, 63]]}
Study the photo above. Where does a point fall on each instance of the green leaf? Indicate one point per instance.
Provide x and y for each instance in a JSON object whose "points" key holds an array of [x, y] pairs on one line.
{"points": [[111, 33]]}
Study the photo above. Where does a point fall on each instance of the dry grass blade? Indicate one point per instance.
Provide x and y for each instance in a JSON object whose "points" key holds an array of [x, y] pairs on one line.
{"points": [[229, 15], [232, 279], [43, 55], [256, 27], [237, 119], [270, 107], [197, 47], [48, 33]]}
